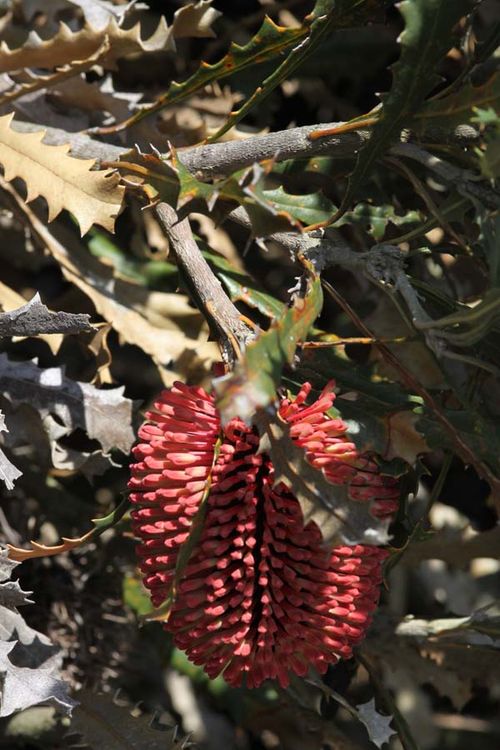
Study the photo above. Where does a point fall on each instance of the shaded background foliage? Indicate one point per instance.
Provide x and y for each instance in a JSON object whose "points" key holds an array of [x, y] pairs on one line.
{"points": [[418, 387]]}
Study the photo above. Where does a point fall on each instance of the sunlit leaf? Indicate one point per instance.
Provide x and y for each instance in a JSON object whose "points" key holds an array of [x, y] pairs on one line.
{"points": [[93, 197]]}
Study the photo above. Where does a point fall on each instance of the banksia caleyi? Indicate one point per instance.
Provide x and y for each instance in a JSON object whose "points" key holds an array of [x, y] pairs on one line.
{"points": [[260, 596]]}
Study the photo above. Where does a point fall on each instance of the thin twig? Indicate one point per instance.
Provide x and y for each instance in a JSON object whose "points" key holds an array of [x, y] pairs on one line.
{"points": [[207, 290], [218, 159]]}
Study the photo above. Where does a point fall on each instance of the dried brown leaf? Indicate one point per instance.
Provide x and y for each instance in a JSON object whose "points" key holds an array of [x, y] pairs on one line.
{"points": [[99, 12], [405, 441], [99, 347], [64, 182], [195, 20], [35, 82], [92, 97], [163, 325], [67, 46]]}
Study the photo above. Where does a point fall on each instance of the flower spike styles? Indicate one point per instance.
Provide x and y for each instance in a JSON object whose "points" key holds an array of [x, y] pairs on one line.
{"points": [[260, 597]]}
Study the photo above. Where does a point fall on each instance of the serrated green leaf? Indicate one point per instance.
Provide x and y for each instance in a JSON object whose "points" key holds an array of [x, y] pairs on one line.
{"points": [[308, 209], [269, 42], [170, 181], [326, 17], [376, 218], [427, 37], [245, 187], [252, 384]]}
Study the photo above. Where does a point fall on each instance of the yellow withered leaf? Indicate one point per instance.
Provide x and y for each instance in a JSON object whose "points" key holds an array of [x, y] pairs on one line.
{"points": [[64, 182], [192, 20], [67, 46]]}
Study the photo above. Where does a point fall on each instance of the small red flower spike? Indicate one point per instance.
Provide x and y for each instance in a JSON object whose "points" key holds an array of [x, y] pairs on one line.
{"points": [[260, 596]]}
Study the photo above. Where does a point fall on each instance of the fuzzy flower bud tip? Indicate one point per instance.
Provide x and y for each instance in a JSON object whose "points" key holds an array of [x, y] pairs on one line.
{"points": [[260, 597]]}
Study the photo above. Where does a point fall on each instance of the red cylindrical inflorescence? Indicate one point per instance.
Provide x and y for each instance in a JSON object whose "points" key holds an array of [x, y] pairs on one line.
{"points": [[260, 597]]}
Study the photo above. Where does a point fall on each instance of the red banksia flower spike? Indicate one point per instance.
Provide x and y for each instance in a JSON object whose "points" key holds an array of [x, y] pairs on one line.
{"points": [[259, 597]]}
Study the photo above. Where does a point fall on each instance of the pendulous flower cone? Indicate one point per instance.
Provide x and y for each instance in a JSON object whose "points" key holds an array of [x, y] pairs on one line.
{"points": [[260, 596]]}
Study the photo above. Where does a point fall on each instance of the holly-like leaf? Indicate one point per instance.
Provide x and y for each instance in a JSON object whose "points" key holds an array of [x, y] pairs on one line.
{"points": [[11, 593], [340, 520], [195, 20], [92, 197], [29, 662], [308, 209], [376, 218], [377, 725], [8, 472], [105, 415], [245, 188], [170, 181], [108, 725], [164, 327], [316, 208], [100, 12], [252, 384], [66, 45], [33, 82], [427, 37], [23, 687]]}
